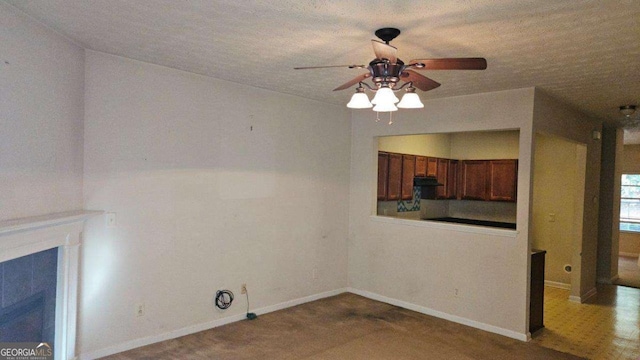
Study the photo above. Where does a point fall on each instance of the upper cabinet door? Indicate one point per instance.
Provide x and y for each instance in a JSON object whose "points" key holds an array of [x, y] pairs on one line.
{"points": [[421, 166], [443, 177], [452, 180], [408, 172], [383, 175], [432, 167], [474, 179], [503, 176], [395, 177]]}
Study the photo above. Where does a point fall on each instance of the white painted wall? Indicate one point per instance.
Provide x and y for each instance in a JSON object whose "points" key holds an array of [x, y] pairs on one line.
{"points": [[478, 145], [435, 145], [552, 117], [631, 159], [556, 189], [214, 184], [41, 115], [421, 265], [483, 145], [629, 244]]}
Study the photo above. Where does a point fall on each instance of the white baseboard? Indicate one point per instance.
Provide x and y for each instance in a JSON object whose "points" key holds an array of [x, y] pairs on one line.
{"points": [[628, 254], [201, 327], [556, 284], [230, 319], [457, 319], [583, 298]]}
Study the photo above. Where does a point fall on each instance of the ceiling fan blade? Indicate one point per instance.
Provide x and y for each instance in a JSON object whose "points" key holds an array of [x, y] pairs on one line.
{"points": [[353, 81], [420, 81], [384, 51], [451, 64], [330, 66]]}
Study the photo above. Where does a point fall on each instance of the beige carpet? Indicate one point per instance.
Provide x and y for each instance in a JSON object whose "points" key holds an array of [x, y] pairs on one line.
{"points": [[346, 326], [628, 272]]}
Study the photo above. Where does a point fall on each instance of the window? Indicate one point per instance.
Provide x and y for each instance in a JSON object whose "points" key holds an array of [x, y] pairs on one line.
{"points": [[630, 203]]}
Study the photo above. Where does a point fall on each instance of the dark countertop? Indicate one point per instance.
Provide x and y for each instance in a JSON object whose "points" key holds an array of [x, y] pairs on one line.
{"points": [[497, 224]]}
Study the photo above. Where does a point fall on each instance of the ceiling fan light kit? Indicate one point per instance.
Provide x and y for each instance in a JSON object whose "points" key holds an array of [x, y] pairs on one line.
{"points": [[629, 120], [387, 71], [410, 100], [384, 95], [627, 110], [359, 100]]}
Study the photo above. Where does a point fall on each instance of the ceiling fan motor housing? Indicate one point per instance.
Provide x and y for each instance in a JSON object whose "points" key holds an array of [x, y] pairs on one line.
{"points": [[385, 72]]}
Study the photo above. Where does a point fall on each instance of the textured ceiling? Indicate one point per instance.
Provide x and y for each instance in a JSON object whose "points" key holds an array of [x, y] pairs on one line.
{"points": [[586, 53]]}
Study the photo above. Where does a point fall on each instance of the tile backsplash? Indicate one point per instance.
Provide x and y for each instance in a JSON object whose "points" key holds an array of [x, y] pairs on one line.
{"points": [[413, 204]]}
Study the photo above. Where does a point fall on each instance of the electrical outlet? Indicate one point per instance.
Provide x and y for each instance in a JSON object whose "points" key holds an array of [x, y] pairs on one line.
{"points": [[243, 289], [140, 309], [314, 274], [456, 292]]}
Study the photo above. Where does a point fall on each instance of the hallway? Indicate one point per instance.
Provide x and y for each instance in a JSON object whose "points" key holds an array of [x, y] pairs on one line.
{"points": [[605, 327]]}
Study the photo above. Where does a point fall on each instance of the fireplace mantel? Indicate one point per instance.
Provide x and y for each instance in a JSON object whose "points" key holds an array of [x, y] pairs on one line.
{"points": [[36, 222], [25, 236]]}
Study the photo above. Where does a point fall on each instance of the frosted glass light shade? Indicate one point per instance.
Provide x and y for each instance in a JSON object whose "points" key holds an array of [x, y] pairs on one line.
{"points": [[359, 100], [384, 95], [410, 100], [385, 107]]}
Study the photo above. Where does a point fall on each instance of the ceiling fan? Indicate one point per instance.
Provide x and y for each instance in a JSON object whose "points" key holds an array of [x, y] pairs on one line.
{"points": [[387, 71], [630, 119]]}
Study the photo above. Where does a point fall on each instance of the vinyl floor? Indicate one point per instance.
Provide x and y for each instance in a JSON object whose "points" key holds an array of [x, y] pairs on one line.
{"points": [[605, 327], [628, 272]]}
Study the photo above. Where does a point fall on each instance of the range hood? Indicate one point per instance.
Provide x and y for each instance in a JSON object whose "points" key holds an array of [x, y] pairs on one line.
{"points": [[426, 181], [427, 186]]}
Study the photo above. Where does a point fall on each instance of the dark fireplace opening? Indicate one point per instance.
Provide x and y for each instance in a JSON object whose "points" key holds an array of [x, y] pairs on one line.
{"points": [[23, 321], [28, 298]]}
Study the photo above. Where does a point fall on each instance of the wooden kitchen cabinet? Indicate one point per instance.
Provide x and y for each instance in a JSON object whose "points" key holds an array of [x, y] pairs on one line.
{"points": [[394, 184], [395, 176], [452, 180], [421, 166], [432, 167], [474, 180], [383, 175], [503, 180], [448, 177], [492, 180], [442, 176], [408, 172], [484, 180]]}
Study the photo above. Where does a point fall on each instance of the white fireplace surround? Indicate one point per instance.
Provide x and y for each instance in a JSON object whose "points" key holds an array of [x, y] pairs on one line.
{"points": [[25, 236]]}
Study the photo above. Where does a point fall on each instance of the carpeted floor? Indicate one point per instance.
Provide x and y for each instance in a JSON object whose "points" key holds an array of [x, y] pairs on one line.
{"points": [[346, 326], [628, 272]]}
